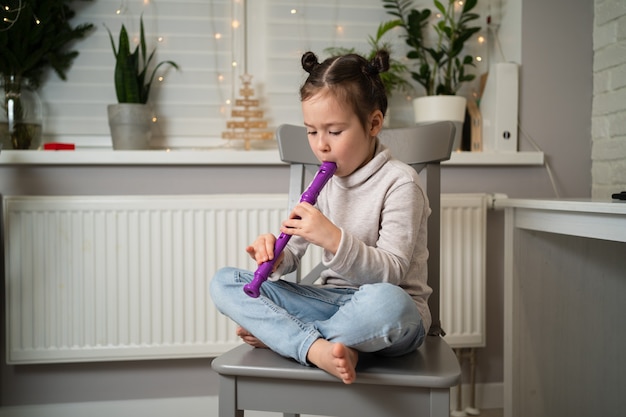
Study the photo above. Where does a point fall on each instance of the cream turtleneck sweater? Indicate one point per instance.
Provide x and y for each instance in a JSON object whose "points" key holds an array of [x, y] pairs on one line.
{"points": [[382, 212]]}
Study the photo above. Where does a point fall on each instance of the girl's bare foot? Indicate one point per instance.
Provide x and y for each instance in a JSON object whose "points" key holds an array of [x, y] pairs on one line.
{"points": [[335, 358], [249, 338]]}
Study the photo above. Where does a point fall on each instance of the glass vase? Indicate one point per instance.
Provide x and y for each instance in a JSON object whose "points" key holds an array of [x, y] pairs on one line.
{"points": [[21, 115]]}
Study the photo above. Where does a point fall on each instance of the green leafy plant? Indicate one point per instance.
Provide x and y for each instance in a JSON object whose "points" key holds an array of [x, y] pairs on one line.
{"points": [[36, 35], [393, 79], [440, 67], [132, 84]]}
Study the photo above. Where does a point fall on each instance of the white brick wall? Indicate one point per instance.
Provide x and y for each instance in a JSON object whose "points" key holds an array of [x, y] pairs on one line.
{"points": [[608, 126]]}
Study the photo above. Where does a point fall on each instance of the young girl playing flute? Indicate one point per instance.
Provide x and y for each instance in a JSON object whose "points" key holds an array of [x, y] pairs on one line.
{"points": [[370, 219]]}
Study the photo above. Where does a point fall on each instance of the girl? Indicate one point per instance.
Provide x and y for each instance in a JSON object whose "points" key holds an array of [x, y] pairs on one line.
{"points": [[370, 219]]}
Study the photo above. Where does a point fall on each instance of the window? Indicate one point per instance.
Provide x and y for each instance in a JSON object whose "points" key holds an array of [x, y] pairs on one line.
{"points": [[193, 105]]}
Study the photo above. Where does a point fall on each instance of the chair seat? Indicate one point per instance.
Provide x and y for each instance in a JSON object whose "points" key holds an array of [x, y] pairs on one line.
{"points": [[417, 384], [432, 365]]}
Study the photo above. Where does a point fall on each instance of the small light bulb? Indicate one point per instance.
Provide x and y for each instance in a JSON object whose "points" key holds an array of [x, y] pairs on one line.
{"points": [[479, 58], [161, 79], [218, 36], [234, 64], [294, 11], [160, 39], [481, 39], [235, 24], [154, 119]]}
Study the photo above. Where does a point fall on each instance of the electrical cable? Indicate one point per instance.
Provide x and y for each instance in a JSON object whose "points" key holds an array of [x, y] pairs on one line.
{"points": [[546, 164]]}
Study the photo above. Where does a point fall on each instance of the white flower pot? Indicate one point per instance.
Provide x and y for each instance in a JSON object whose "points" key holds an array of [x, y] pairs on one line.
{"points": [[442, 108], [131, 125]]}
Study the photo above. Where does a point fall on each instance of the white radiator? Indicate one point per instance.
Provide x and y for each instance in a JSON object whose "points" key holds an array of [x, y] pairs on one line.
{"points": [[463, 261], [118, 278]]}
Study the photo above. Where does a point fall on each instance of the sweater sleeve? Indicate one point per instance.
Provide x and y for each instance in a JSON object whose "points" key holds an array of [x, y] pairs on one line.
{"points": [[403, 213]]}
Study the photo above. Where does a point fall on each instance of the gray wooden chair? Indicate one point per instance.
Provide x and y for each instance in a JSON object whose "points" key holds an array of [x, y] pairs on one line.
{"points": [[417, 384]]}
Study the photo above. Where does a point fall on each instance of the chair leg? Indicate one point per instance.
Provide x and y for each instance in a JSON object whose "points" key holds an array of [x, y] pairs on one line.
{"points": [[472, 410], [440, 402], [458, 411], [227, 401]]}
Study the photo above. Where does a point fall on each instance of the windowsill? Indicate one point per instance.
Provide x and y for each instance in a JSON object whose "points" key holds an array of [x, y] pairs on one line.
{"points": [[225, 156]]}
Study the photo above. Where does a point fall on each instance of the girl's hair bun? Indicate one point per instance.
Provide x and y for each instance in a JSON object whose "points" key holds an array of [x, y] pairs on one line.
{"points": [[379, 63], [309, 61]]}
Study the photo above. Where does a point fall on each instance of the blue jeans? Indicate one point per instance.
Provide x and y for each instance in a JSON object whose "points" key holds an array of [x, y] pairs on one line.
{"points": [[289, 317]]}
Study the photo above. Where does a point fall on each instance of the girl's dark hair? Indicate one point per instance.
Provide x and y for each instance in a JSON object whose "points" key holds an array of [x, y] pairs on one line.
{"points": [[351, 79]]}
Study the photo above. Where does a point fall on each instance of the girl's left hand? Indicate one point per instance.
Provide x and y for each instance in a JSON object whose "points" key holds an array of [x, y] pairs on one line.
{"points": [[308, 222]]}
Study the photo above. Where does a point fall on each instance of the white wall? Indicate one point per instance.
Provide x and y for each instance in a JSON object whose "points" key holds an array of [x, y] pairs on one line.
{"points": [[609, 99]]}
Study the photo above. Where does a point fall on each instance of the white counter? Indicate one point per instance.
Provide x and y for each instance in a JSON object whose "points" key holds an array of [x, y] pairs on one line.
{"points": [[564, 305]]}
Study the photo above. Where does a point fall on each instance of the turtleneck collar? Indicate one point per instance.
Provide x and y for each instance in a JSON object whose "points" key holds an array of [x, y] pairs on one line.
{"points": [[361, 175]]}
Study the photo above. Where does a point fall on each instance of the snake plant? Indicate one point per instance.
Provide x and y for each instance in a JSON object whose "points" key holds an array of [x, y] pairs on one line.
{"points": [[132, 83]]}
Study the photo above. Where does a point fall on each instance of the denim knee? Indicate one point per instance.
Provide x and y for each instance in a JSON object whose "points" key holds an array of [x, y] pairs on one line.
{"points": [[223, 278], [393, 300]]}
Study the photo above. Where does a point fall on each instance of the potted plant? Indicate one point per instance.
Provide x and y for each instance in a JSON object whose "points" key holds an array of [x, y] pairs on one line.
{"points": [[34, 36], [440, 67], [130, 120]]}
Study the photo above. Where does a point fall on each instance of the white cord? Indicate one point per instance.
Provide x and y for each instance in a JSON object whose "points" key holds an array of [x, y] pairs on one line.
{"points": [[493, 29], [547, 165]]}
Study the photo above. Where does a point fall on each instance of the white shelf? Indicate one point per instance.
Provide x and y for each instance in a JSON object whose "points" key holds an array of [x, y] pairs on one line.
{"points": [[149, 157], [224, 157], [493, 158]]}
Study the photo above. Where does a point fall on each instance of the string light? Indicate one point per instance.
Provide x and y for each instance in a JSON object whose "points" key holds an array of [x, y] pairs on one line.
{"points": [[218, 37], [122, 9], [18, 11], [12, 21]]}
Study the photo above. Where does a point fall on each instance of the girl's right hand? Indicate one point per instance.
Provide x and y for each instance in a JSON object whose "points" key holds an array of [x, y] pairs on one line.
{"points": [[262, 249]]}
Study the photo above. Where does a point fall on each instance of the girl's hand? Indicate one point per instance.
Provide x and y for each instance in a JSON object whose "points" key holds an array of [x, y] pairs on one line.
{"points": [[262, 249], [308, 222]]}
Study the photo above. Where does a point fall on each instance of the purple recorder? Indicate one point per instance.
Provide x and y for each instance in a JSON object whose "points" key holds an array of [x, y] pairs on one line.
{"points": [[326, 171]]}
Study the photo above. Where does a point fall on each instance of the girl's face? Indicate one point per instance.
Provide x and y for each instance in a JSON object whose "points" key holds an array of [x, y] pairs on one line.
{"points": [[336, 135]]}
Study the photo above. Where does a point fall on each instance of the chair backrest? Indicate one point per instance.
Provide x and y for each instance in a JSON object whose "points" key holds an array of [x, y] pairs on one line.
{"points": [[422, 146]]}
